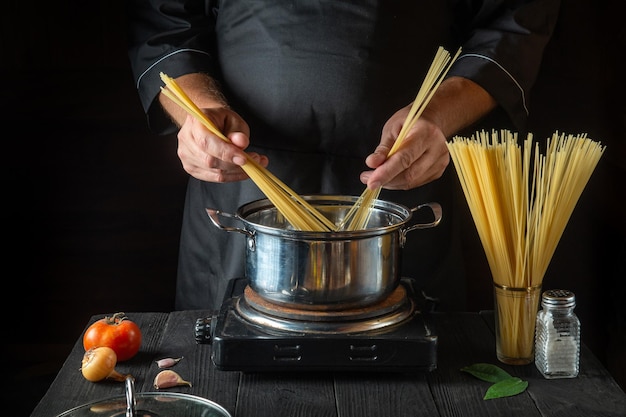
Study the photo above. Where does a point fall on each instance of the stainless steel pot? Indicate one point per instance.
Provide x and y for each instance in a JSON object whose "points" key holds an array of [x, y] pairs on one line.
{"points": [[324, 270]]}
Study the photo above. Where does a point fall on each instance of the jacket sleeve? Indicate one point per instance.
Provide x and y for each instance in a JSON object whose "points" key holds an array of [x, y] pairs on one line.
{"points": [[173, 37], [503, 49]]}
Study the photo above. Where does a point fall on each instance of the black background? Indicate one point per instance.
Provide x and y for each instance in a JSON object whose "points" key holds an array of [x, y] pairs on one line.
{"points": [[93, 201]]}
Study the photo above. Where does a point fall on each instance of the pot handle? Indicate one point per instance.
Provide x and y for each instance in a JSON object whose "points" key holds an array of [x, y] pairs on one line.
{"points": [[213, 215], [437, 213]]}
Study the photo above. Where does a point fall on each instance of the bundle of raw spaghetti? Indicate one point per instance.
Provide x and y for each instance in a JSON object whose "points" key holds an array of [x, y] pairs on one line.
{"points": [[358, 216], [521, 204], [296, 210]]}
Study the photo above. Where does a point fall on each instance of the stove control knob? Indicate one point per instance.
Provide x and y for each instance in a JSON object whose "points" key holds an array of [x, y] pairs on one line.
{"points": [[204, 329]]}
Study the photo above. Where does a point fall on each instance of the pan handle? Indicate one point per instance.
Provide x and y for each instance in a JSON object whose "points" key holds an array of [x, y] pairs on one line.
{"points": [[213, 215], [437, 214]]}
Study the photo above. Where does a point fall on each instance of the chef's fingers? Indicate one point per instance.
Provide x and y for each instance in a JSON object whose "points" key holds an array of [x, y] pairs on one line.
{"points": [[422, 157], [208, 157], [388, 137]]}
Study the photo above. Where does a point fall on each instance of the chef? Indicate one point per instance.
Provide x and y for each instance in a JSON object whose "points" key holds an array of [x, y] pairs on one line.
{"points": [[317, 91]]}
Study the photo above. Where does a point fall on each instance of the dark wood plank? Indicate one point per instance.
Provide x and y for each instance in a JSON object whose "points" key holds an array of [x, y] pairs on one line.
{"points": [[593, 393], [375, 395], [196, 366], [464, 339], [164, 335], [70, 389], [286, 395]]}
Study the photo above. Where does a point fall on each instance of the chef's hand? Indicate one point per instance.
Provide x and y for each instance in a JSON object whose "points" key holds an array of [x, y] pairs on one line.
{"points": [[422, 157], [208, 157]]}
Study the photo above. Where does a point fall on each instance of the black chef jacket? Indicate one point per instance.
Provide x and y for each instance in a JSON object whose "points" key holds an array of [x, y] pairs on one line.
{"points": [[316, 81]]}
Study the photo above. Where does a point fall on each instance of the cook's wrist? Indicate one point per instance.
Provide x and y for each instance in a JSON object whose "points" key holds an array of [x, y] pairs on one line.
{"points": [[201, 89]]}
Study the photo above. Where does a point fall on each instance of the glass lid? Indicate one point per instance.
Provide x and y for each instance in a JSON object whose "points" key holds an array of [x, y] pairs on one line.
{"points": [[149, 404]]}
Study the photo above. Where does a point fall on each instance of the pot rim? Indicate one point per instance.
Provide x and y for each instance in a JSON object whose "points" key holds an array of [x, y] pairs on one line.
{"points": [[399, 211]]}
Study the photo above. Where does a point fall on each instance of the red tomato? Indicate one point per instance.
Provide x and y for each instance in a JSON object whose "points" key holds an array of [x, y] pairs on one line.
{"points": [[117, 332]]}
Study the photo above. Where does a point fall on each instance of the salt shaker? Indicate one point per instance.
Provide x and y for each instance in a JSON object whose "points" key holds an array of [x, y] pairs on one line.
{"points": [[557, 337]]}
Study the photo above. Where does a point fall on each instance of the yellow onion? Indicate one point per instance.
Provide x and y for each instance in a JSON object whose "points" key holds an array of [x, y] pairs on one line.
{"points": [[99, 364]]}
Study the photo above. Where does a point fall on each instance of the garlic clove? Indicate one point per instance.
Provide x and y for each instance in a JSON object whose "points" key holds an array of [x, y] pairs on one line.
{"points": [[168, 379], [167, 362]]}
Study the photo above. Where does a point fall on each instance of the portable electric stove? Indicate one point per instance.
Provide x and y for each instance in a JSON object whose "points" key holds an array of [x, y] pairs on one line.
{"points": [[251, 334]]}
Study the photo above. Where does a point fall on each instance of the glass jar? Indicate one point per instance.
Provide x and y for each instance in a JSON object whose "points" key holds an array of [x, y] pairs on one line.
{"points": [[515, 318], [557, 335]]}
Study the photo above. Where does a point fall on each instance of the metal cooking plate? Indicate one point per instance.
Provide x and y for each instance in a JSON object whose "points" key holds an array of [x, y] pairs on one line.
{"points": [[393, 310]]}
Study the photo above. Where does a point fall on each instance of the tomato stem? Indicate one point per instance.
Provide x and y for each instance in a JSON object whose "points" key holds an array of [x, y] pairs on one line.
{"points": [[116, 318]]}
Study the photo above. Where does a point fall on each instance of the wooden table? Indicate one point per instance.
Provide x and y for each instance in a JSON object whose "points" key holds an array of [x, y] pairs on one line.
{"points": [[464, 339]]}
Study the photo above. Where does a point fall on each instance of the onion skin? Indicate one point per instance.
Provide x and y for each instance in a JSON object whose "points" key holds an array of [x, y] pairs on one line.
{"points": [[99, 364]]}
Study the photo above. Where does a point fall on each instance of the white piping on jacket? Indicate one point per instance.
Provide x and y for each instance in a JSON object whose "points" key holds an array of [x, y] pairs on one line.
{"points": [[165, 57], [460, 57], [505, 71]]}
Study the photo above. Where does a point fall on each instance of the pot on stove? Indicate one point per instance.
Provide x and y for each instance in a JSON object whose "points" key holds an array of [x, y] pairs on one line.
{"points": [[324, 270]]}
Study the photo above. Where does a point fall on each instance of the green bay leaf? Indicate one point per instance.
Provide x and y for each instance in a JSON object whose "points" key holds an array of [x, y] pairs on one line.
{"points": [[487, 372], [506, 388]]}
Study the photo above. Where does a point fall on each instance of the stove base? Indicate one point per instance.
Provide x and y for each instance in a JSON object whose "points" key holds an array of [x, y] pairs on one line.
{"points": [[239, 345]]}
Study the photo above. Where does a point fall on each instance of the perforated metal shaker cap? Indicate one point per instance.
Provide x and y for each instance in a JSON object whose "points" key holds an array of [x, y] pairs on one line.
{"points": [[558, 298]]}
